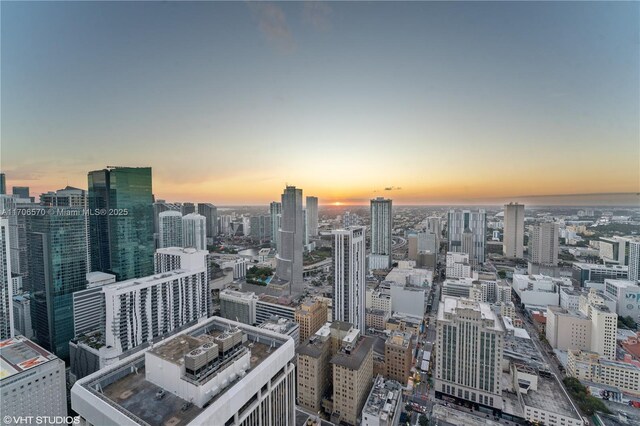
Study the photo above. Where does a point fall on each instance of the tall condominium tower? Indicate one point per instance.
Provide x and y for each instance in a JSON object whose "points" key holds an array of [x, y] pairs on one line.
{"points": [[543, 244], [634, 260], [3, 184], [6, 288], [57, 245], [17, 235], [469, 353], [513, 240], [275, 209], [349, 284], [312, 216], [381, 227], [170, 234], [467, 233], [210, 212], [65, 197], [121, 235], [289, 257], [194, 231], [20, 191], [187, 208]]}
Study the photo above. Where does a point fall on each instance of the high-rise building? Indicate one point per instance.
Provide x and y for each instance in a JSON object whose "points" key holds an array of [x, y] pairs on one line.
{"points": [[7, 328], [210, 212], [349, 272], [312, 216], [289, 257], [170, 229], [594, 327], [141, 309], [160, 206], [121, 236], [398, 356], [313, 369], [3, 184], [20, 191], [458, 265], [33, 382], [634, 260], [17, 235], [434, 224], [65, 197], [467, 233], [194, 231], [261, 228], [513, 239], [218, 372], [543, 244], [275, 210], [22, 315], [469, 352], [311, 315], [187, 208], [238, 306], [381, 228], [57, 244], [352, 377]]}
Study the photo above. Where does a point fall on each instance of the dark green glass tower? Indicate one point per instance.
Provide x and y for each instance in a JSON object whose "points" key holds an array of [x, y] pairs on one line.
{"points": [[121, 221]]}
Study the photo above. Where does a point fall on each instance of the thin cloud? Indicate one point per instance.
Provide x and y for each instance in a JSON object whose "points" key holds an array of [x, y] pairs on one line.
{"points": [[273, 24], [392, 188], [316, 14]]}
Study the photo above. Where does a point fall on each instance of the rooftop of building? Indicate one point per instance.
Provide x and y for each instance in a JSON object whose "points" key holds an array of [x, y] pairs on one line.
{"points": [[280, 325], [352, 357], [341, 326], [451, 305], [372, 311], [560, 311], [19, 354], [581, 265], [125, 387], [587, 356], [550, 397], [282, 300], [383, 398], [314, 347], [150, 280], [399, 338], [622, 283]]}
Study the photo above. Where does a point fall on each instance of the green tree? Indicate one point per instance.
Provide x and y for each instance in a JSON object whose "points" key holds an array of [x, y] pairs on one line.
{"points": [[423, 421], [502, 274]]}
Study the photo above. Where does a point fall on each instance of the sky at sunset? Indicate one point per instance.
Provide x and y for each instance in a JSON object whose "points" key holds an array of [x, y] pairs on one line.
{"points": [[420, 102]]}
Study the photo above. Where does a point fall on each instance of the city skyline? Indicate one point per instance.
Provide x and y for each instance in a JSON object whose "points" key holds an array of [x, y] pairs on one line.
{"points": [[456, 103]]}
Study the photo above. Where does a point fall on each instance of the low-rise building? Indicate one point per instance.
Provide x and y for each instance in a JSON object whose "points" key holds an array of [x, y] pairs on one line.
{"points": [[376, 318], [590, 366], [582, 272], [539, 290]]}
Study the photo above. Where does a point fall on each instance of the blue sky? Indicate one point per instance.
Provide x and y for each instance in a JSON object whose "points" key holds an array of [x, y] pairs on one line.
{"points": [[228, 101]]}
